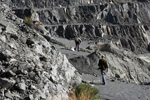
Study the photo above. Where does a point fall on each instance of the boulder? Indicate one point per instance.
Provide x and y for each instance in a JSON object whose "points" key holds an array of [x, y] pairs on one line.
{"points": [[6, 83]]}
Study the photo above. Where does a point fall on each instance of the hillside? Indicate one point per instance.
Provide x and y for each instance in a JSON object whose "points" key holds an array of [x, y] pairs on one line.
{"points": [[30, 67], [38, 57]]}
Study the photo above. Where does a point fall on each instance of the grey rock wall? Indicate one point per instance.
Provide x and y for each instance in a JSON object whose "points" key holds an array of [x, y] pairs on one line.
{"points": [[135, 38], [30, 67], [130, 13], [124, 20], [128, 22]]}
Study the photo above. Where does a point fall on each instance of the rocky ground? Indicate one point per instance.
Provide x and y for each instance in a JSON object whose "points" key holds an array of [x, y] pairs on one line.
{"points": [[116, 89], [123, 91]]}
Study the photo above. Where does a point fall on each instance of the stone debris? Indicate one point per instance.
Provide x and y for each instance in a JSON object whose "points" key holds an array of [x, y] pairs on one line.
{"points": [[30, 69]]}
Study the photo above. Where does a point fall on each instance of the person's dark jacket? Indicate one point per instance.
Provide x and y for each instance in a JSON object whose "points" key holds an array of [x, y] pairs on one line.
{"points": [[103, 65], [77, 40]]}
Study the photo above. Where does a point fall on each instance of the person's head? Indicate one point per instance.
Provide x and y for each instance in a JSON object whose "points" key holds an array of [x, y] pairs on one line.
{"points": [[102, 56]]}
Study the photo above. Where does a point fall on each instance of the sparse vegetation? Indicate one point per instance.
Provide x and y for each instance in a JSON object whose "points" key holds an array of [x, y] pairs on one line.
{"points": [[84, 92], [28, 20]]}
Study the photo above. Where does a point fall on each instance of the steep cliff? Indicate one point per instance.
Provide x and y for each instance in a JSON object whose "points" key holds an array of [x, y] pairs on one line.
{"points": [[124, 22], [30, 67]]}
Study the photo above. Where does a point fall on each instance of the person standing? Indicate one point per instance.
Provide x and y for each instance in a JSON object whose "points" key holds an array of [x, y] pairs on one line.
{"points": [[103, 66], [77, 43]]}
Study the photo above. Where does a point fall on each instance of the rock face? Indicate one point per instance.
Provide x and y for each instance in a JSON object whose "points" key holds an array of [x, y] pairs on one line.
{"points": [[127, 22], [30, 67]]}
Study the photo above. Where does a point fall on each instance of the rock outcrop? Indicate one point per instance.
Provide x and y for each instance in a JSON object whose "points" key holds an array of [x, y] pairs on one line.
{"points": [[30, 66], [124, 21], [123, 64]]}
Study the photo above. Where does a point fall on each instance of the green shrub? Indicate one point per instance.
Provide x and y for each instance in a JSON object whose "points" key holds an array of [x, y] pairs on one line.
{"points": [[90, 91]]}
